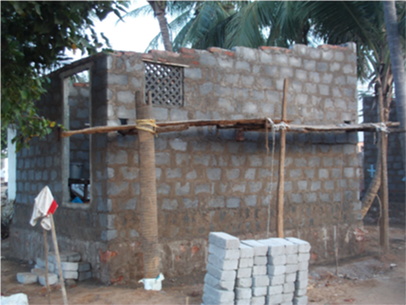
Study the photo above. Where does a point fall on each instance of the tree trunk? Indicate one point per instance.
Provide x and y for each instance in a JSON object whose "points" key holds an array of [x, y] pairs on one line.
{"points": [[159, 12], [148, 198], [396, 57]]}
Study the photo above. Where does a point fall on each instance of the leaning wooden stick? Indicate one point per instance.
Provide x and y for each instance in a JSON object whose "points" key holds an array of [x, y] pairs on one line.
{"points": [[58, 260], [46, 249]]}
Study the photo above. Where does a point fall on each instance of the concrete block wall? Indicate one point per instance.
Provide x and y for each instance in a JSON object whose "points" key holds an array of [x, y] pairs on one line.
{"points": [[268, 271], [396, 166], [206, 179]]}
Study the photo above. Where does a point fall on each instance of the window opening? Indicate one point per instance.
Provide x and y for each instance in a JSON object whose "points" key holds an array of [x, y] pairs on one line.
{"points": [[165, 84], [78, 117]]}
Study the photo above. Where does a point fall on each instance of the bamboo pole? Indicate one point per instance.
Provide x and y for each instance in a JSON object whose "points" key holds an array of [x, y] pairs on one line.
{"points": [[148, 202], [281, 169], [58, 260]]}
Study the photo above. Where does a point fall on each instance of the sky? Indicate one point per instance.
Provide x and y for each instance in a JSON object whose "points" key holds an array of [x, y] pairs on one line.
{"points": [[134, 34]]}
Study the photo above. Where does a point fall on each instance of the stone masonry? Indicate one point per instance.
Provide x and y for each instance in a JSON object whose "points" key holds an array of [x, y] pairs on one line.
{"points": [[207, 179]]}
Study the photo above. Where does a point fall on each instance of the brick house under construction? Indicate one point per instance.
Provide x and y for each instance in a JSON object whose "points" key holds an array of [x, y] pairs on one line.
{"points": [[208, 178]]}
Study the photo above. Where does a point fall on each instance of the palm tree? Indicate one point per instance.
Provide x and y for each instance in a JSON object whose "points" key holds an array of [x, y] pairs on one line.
{"points": [[159, 8]]}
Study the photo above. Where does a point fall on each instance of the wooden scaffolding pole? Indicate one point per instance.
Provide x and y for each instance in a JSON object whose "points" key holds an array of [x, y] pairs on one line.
{"points": [[281, 169], [383, 147], [148, 202]]}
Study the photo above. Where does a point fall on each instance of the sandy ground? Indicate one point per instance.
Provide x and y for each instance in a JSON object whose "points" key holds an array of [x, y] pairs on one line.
{"points": [[373, 279]]}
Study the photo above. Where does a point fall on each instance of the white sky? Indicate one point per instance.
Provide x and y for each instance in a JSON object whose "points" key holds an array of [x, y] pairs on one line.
{"points": [[134, 34]]}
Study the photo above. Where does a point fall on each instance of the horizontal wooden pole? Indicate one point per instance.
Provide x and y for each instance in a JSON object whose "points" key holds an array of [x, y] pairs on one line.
{"points": [[246, 124]]}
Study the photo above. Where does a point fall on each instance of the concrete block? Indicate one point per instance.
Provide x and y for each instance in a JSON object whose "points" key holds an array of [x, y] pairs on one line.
{"points": [[224, 240], [258, 300], [292, 268], [259, 291], [84, 266], [40, 263], [303, 266], [303, 300], [302, 275], [260, 281], [259, 248], [274, 247], [290, 277], [287, 303], [300, 292], [244, 273], [224, 253], [223, 264], [219, 284], [276, 279], [69, 266], [277, 289], [68, 256], [245, 282], [26, 278], [52, 279], [288, 287], [274, 299], [70, 274], [276, 270], [246, 251], [84, 275], [260, 260], [301, 284], [259, 270], [303, 257], [292, 259], [277, 260], [242, 301], [287, 297], [243, 293], [215, 296], [246, 262], [222, 274]]}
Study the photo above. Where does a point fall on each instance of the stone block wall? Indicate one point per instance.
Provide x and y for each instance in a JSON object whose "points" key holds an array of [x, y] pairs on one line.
{"points": [[207, 178], [396, 166]]}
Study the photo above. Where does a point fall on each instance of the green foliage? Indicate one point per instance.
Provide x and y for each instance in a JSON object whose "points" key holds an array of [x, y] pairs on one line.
{"points": [[34, 37]]}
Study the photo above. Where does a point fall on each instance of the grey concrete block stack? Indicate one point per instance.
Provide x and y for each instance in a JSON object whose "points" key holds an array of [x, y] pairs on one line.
{"points": [[72, 269], [222, 267], [270, 271]]}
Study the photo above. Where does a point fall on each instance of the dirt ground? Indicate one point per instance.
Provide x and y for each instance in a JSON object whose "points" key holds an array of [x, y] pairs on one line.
{"points": [[372, 279]]}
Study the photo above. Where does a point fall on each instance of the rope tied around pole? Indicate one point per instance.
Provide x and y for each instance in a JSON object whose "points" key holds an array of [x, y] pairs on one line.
{"points": [[382, 127], [269, 120], [148, 125]]}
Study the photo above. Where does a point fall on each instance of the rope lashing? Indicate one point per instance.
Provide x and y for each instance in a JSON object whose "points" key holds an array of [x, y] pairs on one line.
{"points": [[381, 127], [148, 125]]}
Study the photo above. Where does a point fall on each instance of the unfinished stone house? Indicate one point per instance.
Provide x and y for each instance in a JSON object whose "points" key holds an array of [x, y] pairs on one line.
{"points": [[208, 178]]}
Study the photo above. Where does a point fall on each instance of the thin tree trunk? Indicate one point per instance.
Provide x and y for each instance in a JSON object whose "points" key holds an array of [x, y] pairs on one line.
{"points": [[160, 14], [397, 62]]}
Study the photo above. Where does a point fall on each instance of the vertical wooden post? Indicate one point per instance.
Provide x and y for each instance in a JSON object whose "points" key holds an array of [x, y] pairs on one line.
{"points": [[148, 203], [384, 220], [281, 169]]}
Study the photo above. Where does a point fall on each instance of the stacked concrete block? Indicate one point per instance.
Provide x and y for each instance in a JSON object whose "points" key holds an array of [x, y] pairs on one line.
{"points": [[243, 284], [223, 260], [260, 280], [272, 271], [72, 269], [302, 275]]}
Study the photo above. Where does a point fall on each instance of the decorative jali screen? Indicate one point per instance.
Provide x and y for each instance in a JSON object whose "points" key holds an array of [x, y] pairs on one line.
{"points": [[165, 84]]}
